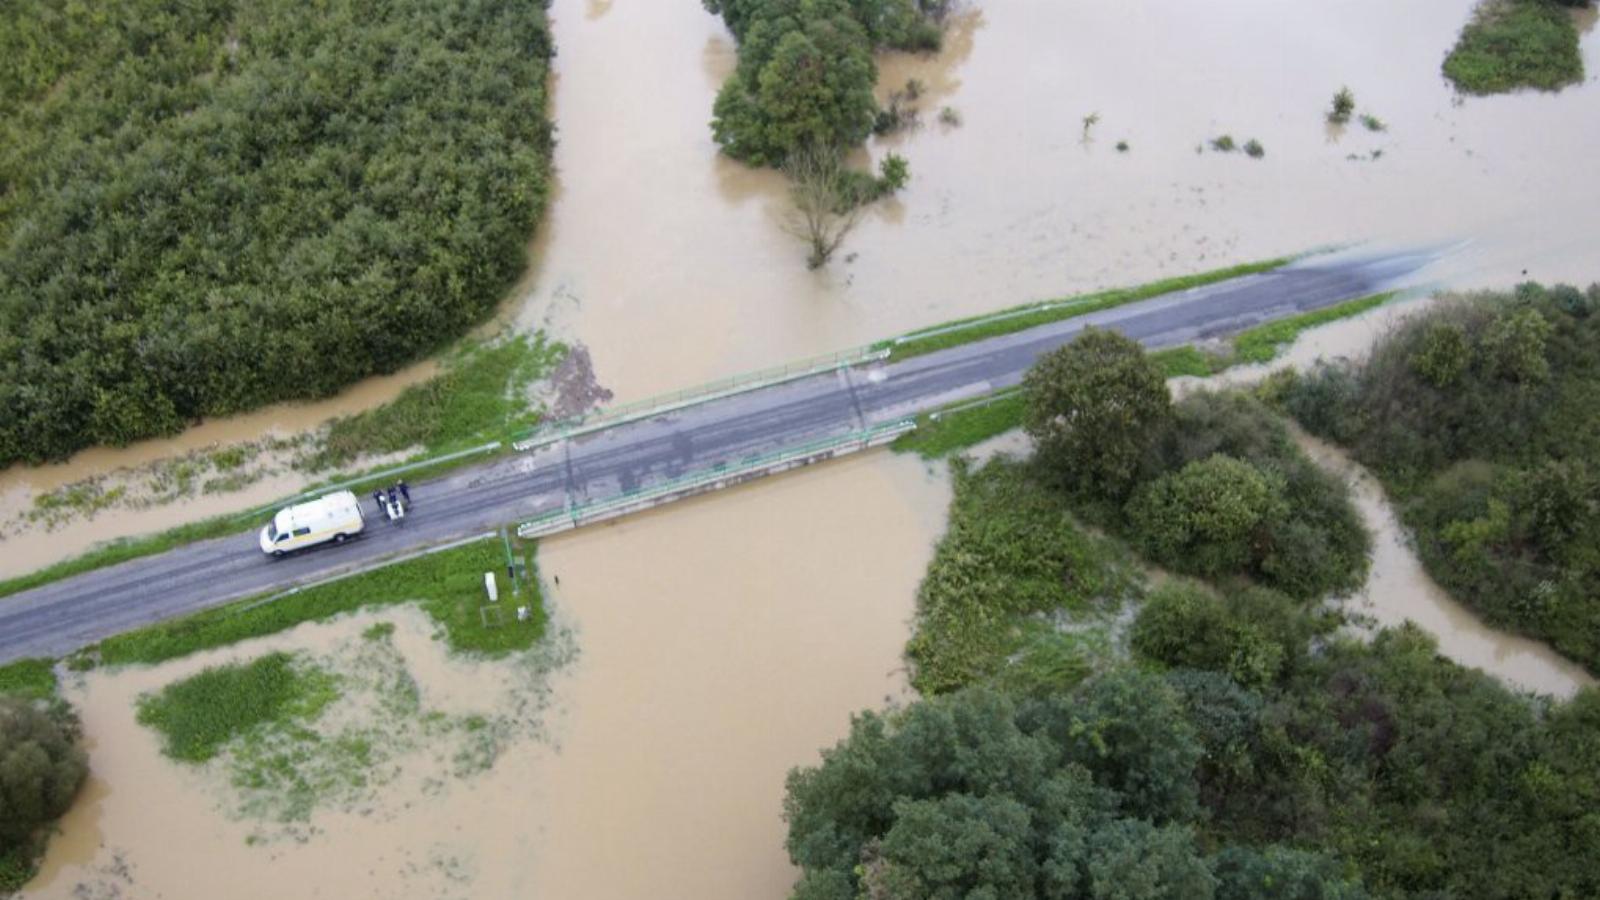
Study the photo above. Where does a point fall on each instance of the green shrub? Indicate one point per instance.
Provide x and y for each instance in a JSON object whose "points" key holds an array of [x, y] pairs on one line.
{"points": [[1223, 144], [1253, 149], [41, 769], [1094, 408], [1511, 44], [1344, 103], [1256, 636], [1207, 518], [1012, 550]]}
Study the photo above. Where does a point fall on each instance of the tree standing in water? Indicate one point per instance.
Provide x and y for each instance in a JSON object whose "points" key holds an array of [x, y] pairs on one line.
{"points": [[824, 211]]}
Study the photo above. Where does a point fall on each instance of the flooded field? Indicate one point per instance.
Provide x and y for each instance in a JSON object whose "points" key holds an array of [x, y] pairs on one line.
{"points": [[726, 639], [732, 645], [674, 266]]}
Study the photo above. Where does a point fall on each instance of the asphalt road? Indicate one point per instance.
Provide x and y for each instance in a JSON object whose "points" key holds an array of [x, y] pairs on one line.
{"points": [[60, 617]]}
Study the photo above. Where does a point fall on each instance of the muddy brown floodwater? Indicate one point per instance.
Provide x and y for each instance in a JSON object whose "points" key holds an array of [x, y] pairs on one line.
{"points": [[722, 642], [674, 266], [1399, 590]]}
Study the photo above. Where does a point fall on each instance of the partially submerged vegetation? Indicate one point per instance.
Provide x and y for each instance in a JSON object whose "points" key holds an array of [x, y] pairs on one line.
{"points": [[331, 726], [41, 765], [1344, 104], [201, 713], [1012, 554], [1479, 417], [1229, 743], [802, 97], [379, 203], [481, 395], [1512, 44], [806, 74]]}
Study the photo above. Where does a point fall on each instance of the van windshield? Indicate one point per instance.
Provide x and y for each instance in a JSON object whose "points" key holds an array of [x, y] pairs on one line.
{"points": [[272, 530]]}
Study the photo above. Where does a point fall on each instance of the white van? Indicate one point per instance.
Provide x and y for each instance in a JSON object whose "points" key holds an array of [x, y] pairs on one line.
{"points": [[336, 518]]}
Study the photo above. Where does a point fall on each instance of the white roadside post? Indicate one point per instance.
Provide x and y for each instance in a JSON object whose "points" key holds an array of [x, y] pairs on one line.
{"points": [[491, 587]]}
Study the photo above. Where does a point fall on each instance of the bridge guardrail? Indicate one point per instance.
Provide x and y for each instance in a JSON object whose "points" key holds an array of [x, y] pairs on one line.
{"points": [[572, 516]]}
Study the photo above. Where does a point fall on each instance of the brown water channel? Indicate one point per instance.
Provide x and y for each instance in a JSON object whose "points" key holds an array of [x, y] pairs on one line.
{"points": [[1399, 590], [720, 643], [674, 265]]}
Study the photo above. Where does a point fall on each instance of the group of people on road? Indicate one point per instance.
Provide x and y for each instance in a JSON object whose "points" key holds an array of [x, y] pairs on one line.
{"points": [[393, 503]]}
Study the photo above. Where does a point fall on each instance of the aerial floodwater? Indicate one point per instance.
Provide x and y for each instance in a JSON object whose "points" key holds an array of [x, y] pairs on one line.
{"points": [[732, 645], [722, 641], [675, 265]]}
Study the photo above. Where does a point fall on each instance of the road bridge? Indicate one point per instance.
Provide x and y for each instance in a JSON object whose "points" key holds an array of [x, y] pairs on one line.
{"points": [[642, 458]]}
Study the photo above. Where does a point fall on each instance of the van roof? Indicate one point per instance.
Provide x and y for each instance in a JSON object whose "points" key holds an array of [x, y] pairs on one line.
{"points": [[335, 504]]}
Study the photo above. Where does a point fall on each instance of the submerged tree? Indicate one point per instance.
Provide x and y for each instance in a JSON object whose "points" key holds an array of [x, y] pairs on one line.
{"points": [[825, 211]]}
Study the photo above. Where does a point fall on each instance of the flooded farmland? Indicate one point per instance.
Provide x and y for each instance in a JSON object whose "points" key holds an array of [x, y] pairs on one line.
{"points": [[724, 640]]}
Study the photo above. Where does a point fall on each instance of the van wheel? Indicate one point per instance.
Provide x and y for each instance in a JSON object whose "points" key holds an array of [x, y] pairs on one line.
{"points": [[340, 538], [278, 554]]}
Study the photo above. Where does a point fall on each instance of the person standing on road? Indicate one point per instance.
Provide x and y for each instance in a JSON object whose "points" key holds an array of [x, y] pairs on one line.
{"points": [[377, 497], [405, 492]]}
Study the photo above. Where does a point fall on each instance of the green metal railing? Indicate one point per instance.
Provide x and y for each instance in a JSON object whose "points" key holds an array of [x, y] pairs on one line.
{"points": [[574, 515], [550, 432]]}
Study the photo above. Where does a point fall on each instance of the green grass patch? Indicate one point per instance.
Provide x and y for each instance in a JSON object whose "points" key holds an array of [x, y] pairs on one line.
{"points": [[942, 433], [1021, 318], [200, 714], [1511, 44], [480, 396], [35, 678], [1262, 343], [447, 584], [1187, 360]]}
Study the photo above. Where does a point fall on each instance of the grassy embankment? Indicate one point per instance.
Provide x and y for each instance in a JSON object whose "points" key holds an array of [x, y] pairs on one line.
{"points": [[973, 421], [448, 585], [31, 678], [1511, 44], [477, 398]]}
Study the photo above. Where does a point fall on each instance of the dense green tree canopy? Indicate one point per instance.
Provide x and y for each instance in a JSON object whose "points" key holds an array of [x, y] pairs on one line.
{"points": [[1480, 417], [1095, 407], [805, 73], [978, 795], [41, 769], [1209, 516], [209, 206]]}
